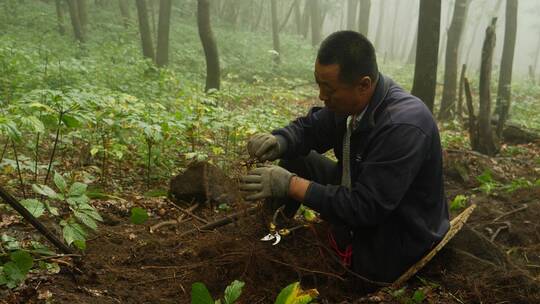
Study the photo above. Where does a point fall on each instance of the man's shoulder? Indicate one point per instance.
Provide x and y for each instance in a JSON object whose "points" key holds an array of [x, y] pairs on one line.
{"points": [[403, 108]]}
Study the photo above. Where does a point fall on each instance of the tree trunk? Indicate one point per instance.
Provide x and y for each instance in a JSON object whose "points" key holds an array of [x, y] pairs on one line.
{"points": [[363, 17], [298, 17], [144, 28], [124, 10], [275, 32], [289, 13], [83, 15], [425, 70], [446, 28], [536, 56], [352, 7], [152, 11], [451, 60], [492, 14], [209, 45], [460, 92], [60, 17], [486, 142], [394, 27], [259, 17], [162, 52], [75, 22], [307, 19], [378, 36], [412, 52], [504, 93], [316, 23], [473, 129]]}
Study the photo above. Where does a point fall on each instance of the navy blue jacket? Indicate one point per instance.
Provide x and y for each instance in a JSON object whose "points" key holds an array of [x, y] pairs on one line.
{"points": [[396, 207]]}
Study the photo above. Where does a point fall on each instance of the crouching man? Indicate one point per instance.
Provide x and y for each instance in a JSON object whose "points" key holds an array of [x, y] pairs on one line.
{"points": [[384, 197]]}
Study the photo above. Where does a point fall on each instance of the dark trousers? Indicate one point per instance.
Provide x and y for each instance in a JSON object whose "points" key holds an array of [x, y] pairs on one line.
{"points": [[320, 169]]}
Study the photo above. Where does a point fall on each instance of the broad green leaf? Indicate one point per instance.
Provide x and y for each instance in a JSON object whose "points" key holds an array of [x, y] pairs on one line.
{"points": [[86, 220], [73, 232], [45, 190], [293, 294], [138, 215], [233, 292], [91, 212], [81, 244], [200, 294], [458, 202], [14, 274], [71, 121], [39, 248], [418, 296], [60, 182], [77, 189], [35, 207], [78, 200], [53, 210], [22, 259]]}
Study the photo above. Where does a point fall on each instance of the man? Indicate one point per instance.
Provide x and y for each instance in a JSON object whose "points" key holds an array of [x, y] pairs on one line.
{"points": [[384, 198]]}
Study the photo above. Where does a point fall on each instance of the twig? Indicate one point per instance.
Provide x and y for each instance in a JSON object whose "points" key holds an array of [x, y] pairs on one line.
{"points": [[186, 211], [179, 220], [224, 221], [510, 212], [37, 224], [57, 257], [158, 280], [501, 228], [306, 270]]}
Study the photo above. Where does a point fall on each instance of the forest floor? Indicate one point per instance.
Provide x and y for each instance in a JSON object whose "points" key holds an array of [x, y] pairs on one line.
{"points": [[126, 263]]}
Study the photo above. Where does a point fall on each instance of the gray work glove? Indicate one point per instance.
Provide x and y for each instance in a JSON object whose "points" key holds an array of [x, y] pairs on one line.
{"points": [[266, 182], [266, 147]]}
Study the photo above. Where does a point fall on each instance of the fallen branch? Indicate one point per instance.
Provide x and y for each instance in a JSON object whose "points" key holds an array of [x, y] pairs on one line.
{"points": [[510, 212], [178, 221], [33, 221], [186, 211], [224, 221]]}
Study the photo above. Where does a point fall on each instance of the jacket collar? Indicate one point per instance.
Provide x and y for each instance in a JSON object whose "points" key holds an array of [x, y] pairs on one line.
{"points": [[381, 90]]}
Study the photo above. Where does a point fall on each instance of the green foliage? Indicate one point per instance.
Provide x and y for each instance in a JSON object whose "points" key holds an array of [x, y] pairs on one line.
{"points": [[293, 294], [14, 272], [74, 197], [487, 183], [201, 295], [459, 202], [138, 215]]}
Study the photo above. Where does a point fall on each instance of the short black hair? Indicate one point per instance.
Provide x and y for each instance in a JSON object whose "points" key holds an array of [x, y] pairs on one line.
{"points": [[354, 54]]}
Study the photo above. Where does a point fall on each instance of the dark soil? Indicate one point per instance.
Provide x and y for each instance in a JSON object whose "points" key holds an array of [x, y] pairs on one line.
{"points": [[125, 263]]}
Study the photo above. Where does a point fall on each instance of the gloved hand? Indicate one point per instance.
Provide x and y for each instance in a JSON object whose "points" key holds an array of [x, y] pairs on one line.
{"points": [[266, 182], [266, 146]]}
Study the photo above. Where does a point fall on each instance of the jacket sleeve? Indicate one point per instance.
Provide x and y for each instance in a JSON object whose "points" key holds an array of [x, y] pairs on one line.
{"points": [[315, 131], [385, 175]]}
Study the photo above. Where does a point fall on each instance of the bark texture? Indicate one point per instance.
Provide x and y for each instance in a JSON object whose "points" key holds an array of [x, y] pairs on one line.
{"points": [[425, 71], [144, 29], [209, 45], [162, 53]]}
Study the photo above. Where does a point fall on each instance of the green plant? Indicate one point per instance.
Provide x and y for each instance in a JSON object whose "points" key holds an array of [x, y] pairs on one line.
{"points": [[14, 272], [487, 183], [459, 202], [201, 295], [72, 198]]}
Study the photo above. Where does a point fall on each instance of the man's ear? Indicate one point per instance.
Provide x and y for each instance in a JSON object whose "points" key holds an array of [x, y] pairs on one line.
{"points": [[364, 84]]}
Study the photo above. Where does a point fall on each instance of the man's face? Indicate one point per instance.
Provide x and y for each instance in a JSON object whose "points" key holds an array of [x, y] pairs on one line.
{"points": [[341, 97]]}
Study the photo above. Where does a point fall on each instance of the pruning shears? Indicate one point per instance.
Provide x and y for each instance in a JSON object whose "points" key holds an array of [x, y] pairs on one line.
{"points": [[275, 233]]}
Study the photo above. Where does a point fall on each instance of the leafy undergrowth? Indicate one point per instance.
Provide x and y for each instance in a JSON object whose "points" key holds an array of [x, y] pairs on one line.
{"points": [[90, 135]]}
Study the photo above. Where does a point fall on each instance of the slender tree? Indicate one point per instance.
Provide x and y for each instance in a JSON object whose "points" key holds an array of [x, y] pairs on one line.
{"points": [[394, 28], [504, 93], [124, 10], [316, 22], [209, 45], [425, 70], [451, 60], [380, 24], [275, 31], [144, 29], [298, 17], [75, 22], [352, 7], [162, 52], [363, 17], [486, 142], [306, 19], [60, 17], [289, 13], [83, 14]]}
